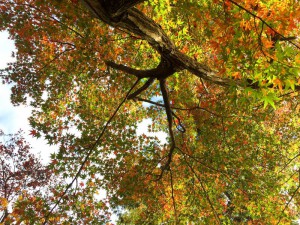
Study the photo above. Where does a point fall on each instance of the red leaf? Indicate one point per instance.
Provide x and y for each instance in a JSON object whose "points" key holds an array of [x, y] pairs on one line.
{"points": [[33, 133]]}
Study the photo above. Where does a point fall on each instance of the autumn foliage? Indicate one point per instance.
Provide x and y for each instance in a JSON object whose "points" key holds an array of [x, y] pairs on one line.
{"points": [[21, 174], [221, 78]]}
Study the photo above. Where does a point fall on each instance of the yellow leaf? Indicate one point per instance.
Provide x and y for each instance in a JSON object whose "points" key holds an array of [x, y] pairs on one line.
{"points": [[156, 171], [278, 83], [3, 202], [82, 206], [267, 43], [297, 58]]}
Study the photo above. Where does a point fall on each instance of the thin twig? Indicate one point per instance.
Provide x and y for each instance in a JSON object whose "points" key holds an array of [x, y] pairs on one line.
{"points": [[204, 190], [55, 58], [182, 128], [137, 51], [173, 198], [287, 204], [45, 14], [264, 22], [141, 89], [204, 85], [209, 167], [90, 152], [184, 109], [290, 160]]}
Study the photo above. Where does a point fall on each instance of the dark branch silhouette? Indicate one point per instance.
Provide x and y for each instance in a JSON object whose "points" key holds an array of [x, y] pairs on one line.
{"points": [[141, 89], [164, 92]]}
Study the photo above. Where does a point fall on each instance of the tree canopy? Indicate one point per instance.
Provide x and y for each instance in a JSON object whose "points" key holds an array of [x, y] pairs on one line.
{"points": [[28, 190], [220, 77], [20, 173]]}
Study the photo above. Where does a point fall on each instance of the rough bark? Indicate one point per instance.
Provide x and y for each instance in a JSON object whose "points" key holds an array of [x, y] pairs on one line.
{"points": [[121, 14], [163, 70], [133, 21]]}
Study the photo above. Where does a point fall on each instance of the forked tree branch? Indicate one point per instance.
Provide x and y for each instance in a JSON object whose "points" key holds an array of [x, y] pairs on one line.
{"points": [[163, 70], [162, 105], [184, 109], [141, 89], [166, 99], [138, 73], [137, 23]]}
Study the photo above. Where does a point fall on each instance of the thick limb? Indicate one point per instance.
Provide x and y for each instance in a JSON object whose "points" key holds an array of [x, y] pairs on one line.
{"points": [[138, 73], [118, 7], [163, 70]]}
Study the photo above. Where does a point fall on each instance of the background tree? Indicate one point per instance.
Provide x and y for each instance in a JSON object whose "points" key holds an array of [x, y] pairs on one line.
{"points": [[21, 173], [228, 76], [28, 188]]}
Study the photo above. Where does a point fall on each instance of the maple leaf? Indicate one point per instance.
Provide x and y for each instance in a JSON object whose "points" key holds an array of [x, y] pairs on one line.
{"points": [[33, 133], [216, 79]]}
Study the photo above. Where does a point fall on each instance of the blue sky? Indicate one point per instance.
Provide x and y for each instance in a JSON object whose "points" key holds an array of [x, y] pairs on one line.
{"points": [[8, 121], [14, 118], [11, 118]]}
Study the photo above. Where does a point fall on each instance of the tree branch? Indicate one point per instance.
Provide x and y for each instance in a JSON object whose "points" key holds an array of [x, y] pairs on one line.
{"points": [[138, 73], [173, 198], [287, 204], [289, 161], [137, 23], [91, 150], [204, 190], [185, 109], [118, 7], [163, 70], [170, 125], [283, 38], [4, 216], [141, 89]]}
